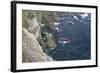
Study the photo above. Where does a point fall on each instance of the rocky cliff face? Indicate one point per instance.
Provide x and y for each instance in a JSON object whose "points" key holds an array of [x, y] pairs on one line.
{"points": [[31, 50], [33, 27], [36, 48]]}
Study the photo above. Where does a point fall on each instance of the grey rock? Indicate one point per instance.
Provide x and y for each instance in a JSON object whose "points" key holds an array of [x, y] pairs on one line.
{"points": [[31, 50], [34, 26]]}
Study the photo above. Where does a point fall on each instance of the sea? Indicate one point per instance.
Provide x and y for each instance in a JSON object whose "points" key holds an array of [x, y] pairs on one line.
{"points": [[73, 37]]}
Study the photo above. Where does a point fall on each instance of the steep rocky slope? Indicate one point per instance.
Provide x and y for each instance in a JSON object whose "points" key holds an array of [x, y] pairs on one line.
{"points": [[31, 50]]}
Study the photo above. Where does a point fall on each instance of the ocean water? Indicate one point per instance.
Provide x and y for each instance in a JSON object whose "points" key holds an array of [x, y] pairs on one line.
{"points": [[72, 35]]}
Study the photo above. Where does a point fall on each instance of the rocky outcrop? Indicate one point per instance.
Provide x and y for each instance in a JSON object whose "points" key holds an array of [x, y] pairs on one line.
{"points": [[50, 41], [34, 27], [31, 50]]}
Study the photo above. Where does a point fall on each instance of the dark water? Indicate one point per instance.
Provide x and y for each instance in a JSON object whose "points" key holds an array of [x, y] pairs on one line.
{"points": [[75, 31]]}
